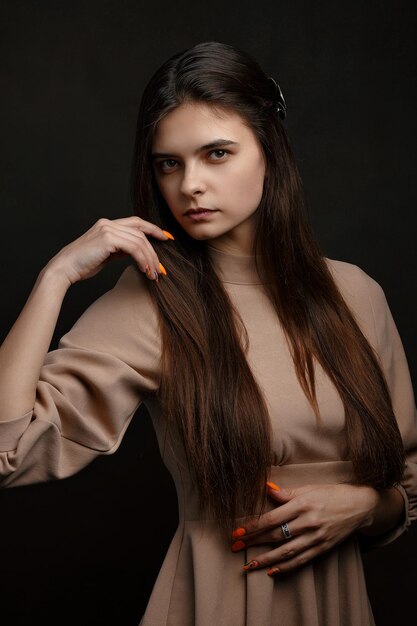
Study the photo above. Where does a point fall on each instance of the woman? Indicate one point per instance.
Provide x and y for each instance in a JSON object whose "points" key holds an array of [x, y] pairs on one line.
{"points": [[275, 377]]}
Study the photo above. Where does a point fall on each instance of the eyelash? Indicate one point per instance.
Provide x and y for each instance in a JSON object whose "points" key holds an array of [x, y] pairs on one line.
{"points": [[159, 164]]}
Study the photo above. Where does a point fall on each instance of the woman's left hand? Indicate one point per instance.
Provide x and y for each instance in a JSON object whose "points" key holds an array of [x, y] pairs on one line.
{"points": [[318, 516]]}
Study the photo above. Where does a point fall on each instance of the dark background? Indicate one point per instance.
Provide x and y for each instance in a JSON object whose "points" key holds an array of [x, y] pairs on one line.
{"points": [[72, 74]]}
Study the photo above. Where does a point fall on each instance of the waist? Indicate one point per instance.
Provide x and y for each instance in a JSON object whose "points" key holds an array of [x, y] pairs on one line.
{"points": [[291, 475]]}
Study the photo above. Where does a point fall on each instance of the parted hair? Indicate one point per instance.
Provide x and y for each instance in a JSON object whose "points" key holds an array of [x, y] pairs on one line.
{"points": [[208, 393]]}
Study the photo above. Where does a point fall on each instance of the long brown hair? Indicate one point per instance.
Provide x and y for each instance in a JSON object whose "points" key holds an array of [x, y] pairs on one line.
{"points": [[208, 391]]}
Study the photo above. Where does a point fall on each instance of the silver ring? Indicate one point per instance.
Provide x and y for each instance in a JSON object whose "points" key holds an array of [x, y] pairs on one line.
{"points": [[286, 531]]}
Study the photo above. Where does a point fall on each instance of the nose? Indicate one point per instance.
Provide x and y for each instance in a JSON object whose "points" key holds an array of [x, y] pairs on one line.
{"points": [[192, 181]]}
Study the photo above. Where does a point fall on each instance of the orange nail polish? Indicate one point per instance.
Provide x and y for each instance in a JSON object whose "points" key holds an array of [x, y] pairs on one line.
{"points": [[238, 545], [162, 268], [239, 532], [273, 571], [168, 234], [250, 565], [273, 486]]}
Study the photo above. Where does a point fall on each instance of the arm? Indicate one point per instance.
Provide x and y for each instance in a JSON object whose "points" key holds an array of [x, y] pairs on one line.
{"points": [[23, 351], [60, 409], [321, 516], [386, 512], [396, 508], [89, 388]]}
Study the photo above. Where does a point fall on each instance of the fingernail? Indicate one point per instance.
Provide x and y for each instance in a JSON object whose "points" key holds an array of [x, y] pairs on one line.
{"points": [[167, 234], [273, 571], [250, 565], [273, 486], [156, 276], [162, 268], [148, 271], [238, 545], [238, 532]]}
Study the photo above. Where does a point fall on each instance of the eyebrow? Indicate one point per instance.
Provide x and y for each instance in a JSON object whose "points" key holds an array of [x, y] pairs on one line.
{"points": [[213, 144]]}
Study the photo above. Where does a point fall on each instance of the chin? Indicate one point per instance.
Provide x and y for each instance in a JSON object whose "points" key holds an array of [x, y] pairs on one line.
{"points": [[202, 232], [202, 237]]}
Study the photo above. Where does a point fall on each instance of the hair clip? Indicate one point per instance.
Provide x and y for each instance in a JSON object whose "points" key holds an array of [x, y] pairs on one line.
{"points": [[278, 99]]}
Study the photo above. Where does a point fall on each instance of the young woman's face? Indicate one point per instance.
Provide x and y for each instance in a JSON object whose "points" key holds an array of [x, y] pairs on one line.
{"points": [[203, 160]]}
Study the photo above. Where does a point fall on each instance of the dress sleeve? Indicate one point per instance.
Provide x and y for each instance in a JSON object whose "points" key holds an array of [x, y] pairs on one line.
{"points": [[89, 388], [394, 364]]}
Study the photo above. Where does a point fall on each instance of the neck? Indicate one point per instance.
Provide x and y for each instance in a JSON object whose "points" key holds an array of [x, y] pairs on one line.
{"points": [[233, 267], [231, 248]]}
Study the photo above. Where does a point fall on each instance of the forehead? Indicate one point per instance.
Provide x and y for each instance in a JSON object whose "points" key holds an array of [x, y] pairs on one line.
{"points": [[193, 124]]}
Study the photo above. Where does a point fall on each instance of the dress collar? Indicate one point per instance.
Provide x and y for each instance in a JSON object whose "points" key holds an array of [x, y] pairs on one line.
{"points": [[234, 268]]}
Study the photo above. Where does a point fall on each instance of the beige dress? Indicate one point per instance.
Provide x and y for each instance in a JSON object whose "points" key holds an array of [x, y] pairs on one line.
{"points": [[108, 364]]}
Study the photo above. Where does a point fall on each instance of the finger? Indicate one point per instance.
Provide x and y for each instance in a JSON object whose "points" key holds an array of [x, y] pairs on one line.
{"points": [[275, 535], [269, 520], [281, 494], [284, 513], [147, 227], [132, 245], [297, 561], [127, 229], [284, 494], [258, 525], [287, 553], [152, 257]]}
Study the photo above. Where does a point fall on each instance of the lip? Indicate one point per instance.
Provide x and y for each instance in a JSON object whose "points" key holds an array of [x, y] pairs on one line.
{"points": [[200, 213], [198, 210]]}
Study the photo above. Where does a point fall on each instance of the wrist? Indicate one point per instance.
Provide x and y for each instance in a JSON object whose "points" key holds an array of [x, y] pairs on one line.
{"points": [[372, 502], [386, 510], [54, 278]]}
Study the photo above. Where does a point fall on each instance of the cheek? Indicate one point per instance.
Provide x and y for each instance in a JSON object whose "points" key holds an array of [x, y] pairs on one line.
{"points": [[168, 191], [245, 188]]}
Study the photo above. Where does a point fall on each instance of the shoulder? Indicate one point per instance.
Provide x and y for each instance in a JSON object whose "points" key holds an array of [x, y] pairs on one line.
{"points": [[364, 296], [125, 310], [131, 291], [355, 284], [132, 281]]}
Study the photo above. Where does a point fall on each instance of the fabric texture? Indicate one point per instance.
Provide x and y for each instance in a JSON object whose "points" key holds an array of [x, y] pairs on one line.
{"points": [[91, 386]]}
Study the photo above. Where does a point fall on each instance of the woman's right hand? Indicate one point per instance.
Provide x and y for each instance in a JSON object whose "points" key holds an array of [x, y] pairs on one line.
{"points": [[106, 239]]}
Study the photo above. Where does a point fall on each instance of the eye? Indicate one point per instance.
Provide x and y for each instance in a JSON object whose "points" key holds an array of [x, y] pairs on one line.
{"points": [[161, 166], [219, 150], [165, 166]]}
